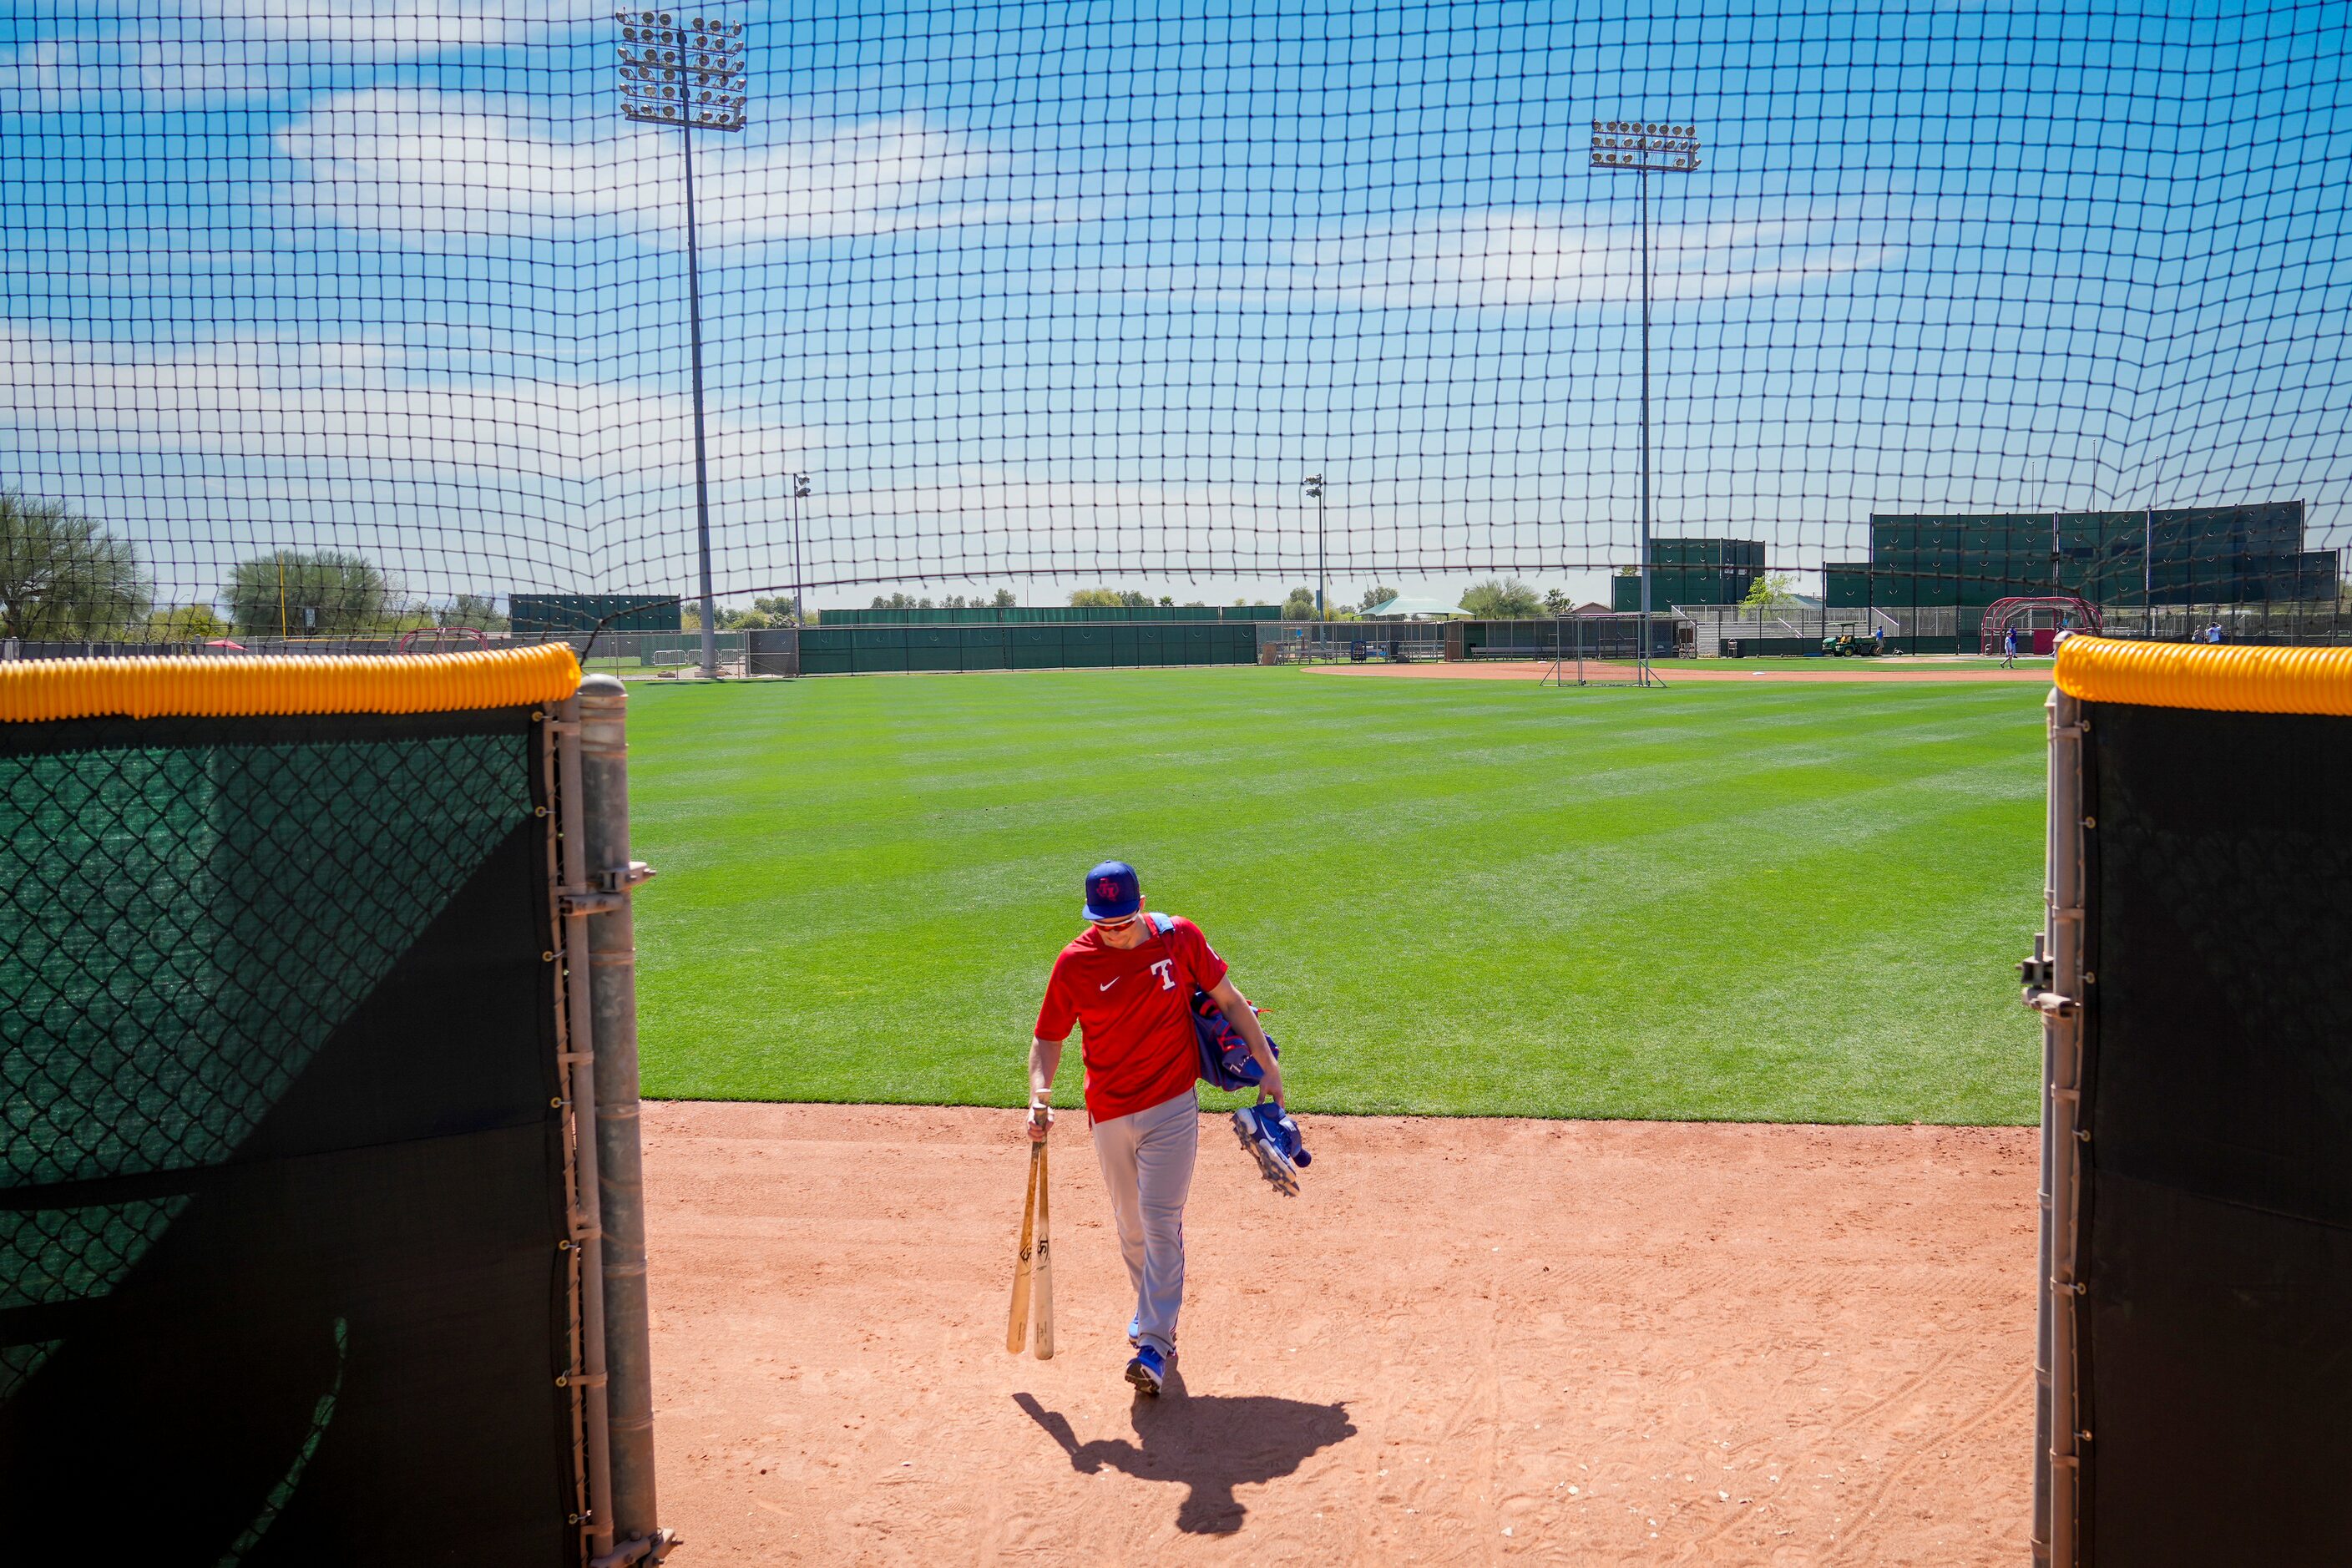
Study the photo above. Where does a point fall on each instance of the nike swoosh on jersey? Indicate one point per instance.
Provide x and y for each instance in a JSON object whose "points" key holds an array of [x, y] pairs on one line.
{"points": [[1109, 983]]}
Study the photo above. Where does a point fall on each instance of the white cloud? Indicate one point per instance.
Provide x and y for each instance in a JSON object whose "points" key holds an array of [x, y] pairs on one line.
{"points": [[438, 168], [400, 28], [225, 51], [204, 450], [209, 452], [357, 401], [1518, 258], [1497, 258], [114, 71]]}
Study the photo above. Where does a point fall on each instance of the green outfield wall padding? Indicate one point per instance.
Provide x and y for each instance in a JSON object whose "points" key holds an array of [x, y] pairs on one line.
{"points": [[1693, 571], [2229, 554], [564, 615], [1054, 614], [1043, 644]]}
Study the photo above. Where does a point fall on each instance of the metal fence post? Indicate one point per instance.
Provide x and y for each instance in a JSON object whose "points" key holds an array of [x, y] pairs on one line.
{"points": [[2060, 997], [612, 999], [586, 1227]]}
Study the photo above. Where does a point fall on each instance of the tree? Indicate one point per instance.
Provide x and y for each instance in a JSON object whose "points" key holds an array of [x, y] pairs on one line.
{"points": [[1375, 597], [473, 610], [1004, 600], [1559, 601], [323, 592], [1770, 591], [764, 613], [901, 602], [1300, 606], [1108, 599], [63, 576], [1501, 599], [183, 623]]}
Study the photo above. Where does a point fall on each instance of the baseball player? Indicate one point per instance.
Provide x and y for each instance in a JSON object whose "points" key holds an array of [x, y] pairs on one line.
{"points": [[1127, 981]]}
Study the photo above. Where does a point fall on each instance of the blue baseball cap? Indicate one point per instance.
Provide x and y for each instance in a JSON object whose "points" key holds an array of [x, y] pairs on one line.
{"points": [[1112, 891]]}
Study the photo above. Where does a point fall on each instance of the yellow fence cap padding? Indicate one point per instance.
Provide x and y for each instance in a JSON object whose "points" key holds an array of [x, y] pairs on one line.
{"points": [[230, 687], [2214, 676]]}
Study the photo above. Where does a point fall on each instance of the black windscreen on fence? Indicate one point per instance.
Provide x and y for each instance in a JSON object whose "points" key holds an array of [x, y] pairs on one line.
{"points": [[283, 1188], [2218, 1093]]}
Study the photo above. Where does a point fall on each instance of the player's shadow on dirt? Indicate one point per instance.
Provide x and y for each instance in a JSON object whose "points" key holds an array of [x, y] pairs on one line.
{"points": [[1210, 1445]]}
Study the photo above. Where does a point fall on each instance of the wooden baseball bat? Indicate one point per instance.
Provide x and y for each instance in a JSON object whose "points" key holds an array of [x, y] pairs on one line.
{"points": [[1044, 1287], [1016, 1330]]}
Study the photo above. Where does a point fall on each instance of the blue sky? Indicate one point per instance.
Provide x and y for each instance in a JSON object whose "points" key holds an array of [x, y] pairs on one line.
{"points": [[1048, 296]]}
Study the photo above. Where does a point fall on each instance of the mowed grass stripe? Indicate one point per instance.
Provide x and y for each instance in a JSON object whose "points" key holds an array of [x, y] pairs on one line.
{"points": [[1774, 903]]}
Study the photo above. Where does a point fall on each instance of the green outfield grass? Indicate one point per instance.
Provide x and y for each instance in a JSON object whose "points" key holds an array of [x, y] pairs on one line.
{"points": [[1797, 903]]}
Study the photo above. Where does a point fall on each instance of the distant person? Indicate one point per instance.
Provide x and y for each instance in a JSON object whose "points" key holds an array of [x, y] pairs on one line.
{"points": [[2213, 632], [1880, 632], [2009, 648], [1127, 982]]}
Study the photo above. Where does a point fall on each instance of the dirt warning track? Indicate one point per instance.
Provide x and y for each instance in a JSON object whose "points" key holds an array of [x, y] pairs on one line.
{"points": [[1468, 1341], [1679, 672]]}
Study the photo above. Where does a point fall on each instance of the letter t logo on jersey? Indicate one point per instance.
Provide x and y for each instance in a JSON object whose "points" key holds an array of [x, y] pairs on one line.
{"points": [[1161, 969]]}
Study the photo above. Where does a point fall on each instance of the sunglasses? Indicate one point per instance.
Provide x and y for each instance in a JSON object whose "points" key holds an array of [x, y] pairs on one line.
{"points": [[1119, 924]]}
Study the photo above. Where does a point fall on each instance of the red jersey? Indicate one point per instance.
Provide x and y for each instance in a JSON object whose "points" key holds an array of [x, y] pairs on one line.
{"points": [[1133, 1007]]}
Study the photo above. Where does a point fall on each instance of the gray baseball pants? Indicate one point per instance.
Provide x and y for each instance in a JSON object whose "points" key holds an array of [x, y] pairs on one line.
{"points": [[1147, 1164]]}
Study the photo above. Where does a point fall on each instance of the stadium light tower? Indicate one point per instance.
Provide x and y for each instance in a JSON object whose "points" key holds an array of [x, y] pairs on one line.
{"points": [[800, 576], [1645, 148], [1322, 566], [686, 69]]}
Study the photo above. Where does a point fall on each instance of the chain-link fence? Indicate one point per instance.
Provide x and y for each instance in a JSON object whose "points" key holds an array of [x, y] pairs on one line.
{"points": [[1748, 630], [1600, 638], [1360, 642], [2327, 623]]}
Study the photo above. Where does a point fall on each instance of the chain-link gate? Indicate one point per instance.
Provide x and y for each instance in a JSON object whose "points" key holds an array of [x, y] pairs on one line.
{"points": [[291, 1223]]}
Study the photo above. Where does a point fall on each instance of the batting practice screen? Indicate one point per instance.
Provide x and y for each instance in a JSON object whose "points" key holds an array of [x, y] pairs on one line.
{"points": [[283, 1213], [2212, 1222]]}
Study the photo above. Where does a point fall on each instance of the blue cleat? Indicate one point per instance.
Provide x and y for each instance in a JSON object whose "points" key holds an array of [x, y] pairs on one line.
{"points": [[1146, 1372], [1272, 1138]]}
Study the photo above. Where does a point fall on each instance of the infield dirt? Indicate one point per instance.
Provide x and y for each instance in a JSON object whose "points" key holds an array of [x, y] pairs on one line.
{"points": [[1468, 1341]]}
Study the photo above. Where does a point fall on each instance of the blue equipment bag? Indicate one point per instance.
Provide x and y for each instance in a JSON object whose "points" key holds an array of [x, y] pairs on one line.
{"points": [[1226, 1059]]}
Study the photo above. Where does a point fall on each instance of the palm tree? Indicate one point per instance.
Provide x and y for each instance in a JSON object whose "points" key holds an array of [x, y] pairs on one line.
{"points": [[62, 577]]}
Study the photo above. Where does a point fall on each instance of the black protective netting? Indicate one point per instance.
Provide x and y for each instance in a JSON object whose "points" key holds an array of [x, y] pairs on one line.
{"points": [[281, 1185], [325, 319]]}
